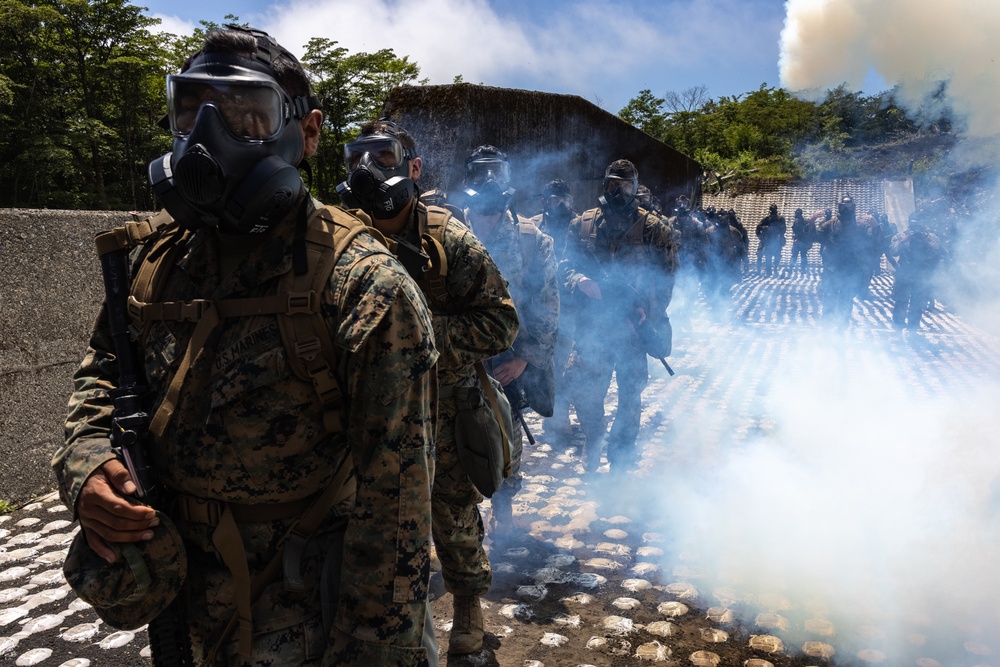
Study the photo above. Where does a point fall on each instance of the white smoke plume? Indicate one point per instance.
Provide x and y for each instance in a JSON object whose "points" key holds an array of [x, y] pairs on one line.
{"points": [[914, 43]]}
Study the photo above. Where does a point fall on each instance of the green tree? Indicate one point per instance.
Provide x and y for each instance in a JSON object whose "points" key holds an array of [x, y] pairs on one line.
{"points": [[645, 112], [78, 128]]}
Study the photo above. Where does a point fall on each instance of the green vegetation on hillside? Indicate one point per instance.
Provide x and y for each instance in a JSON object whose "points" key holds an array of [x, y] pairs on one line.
{"points": [[769, 133]]}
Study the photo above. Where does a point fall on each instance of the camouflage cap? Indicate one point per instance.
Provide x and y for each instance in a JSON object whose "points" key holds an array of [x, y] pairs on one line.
{"points": [[144, 579]]}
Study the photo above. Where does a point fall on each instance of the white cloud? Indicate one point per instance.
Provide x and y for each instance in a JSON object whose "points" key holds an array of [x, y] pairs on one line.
{"points": [[586, 48], [173, 25]]}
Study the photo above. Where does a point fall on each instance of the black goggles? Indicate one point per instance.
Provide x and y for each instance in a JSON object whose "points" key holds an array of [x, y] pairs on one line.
{"points": [[481, 171], [387, 151]]}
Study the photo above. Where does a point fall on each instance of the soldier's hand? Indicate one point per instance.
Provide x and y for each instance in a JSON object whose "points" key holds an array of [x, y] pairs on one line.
{"points": [[107, 516], [590, 288], [509, 371]]}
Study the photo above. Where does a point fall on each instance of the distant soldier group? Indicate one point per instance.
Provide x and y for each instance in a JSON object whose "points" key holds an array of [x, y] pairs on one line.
{"points": [[712, 245]]}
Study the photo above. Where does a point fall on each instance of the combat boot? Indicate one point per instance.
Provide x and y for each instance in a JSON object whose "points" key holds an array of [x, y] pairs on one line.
{"points": [[467, 627]]}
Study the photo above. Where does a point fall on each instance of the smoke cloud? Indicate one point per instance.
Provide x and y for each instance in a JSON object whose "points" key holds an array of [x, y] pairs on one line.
{"points": [[914, 43], [867, 496]]}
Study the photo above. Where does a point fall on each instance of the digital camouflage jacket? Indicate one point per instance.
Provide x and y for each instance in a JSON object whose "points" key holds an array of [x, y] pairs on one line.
{"points": [[529, 264], [640, 251], [478, 319], [246, 430]]}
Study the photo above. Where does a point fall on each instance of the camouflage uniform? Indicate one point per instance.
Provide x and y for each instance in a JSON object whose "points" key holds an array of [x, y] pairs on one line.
{"points": [[725, 252], [535, 289], [919, 252], [771, 239], [607, 256], [559, 232], [692, 253], [803, 232], [477, 322], [248, 432]]}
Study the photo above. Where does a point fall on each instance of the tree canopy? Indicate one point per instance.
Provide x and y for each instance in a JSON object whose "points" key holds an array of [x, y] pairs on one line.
{"points": [[770, 133]]}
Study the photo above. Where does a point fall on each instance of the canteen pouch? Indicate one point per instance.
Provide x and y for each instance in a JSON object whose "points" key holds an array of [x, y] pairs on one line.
{"points": [[480, 440]]}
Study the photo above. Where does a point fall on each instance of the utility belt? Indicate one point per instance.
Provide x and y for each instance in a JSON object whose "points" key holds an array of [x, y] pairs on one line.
{"points": [[306, 515], [206, 511]]}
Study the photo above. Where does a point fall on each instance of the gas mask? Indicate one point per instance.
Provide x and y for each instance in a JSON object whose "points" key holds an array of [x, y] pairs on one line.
{"points": [[619, 195], [487, 185], [845, 209], [559, 208], [378, 179], [237, 144]]}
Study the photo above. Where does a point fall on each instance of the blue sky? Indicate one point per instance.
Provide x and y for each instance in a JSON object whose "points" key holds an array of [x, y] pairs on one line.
{"points": [[604, 51]]}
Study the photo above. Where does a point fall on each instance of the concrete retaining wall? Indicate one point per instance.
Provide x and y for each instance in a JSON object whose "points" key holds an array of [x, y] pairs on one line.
{"points": [[50, 291]]}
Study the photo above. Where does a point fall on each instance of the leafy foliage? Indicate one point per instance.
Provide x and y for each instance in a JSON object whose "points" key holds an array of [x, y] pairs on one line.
{"points": [[769, 133], [351, 89]]}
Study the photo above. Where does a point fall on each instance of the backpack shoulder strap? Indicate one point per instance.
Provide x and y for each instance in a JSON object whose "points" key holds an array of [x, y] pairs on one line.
{"points": [[309, 346], [311, 351], [530, 236], [163, 240], [588, 230], [638, 229], [434, 281]]}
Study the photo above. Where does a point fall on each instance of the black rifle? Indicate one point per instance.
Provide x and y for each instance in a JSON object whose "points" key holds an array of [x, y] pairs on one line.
{"points": [[168, 632], [518, 402]]}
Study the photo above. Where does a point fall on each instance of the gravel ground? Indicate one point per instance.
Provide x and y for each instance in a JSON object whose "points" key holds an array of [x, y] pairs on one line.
{"points": [[722, 548]]}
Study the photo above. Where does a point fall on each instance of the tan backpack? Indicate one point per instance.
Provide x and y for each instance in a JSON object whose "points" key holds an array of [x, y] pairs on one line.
{"points": [[310, 349]]}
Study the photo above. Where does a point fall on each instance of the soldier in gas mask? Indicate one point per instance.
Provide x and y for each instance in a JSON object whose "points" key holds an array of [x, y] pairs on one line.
{"points": [[260, 316], [527, 260], [845, 267], [620, 274], [474, 319], [554, 220]]}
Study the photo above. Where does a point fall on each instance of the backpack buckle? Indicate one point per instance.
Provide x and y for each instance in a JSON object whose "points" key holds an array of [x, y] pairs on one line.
{"points": [[302, 303], [192, 311]]}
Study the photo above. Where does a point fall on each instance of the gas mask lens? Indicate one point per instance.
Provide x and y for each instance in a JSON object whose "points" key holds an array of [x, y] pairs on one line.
{"points": [[481, 171], [387, 152], [251, 110], [611, 184], [553, 202]]}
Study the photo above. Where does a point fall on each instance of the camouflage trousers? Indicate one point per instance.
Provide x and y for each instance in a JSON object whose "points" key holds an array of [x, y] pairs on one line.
{"points": [[560, 413], [288, 627], [590, 376], [456, 524]]}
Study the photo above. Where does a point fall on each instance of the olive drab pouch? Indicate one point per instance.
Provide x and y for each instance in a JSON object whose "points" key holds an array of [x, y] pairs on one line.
{"points": [[539, 386], [483, 425], [657, 336]]}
